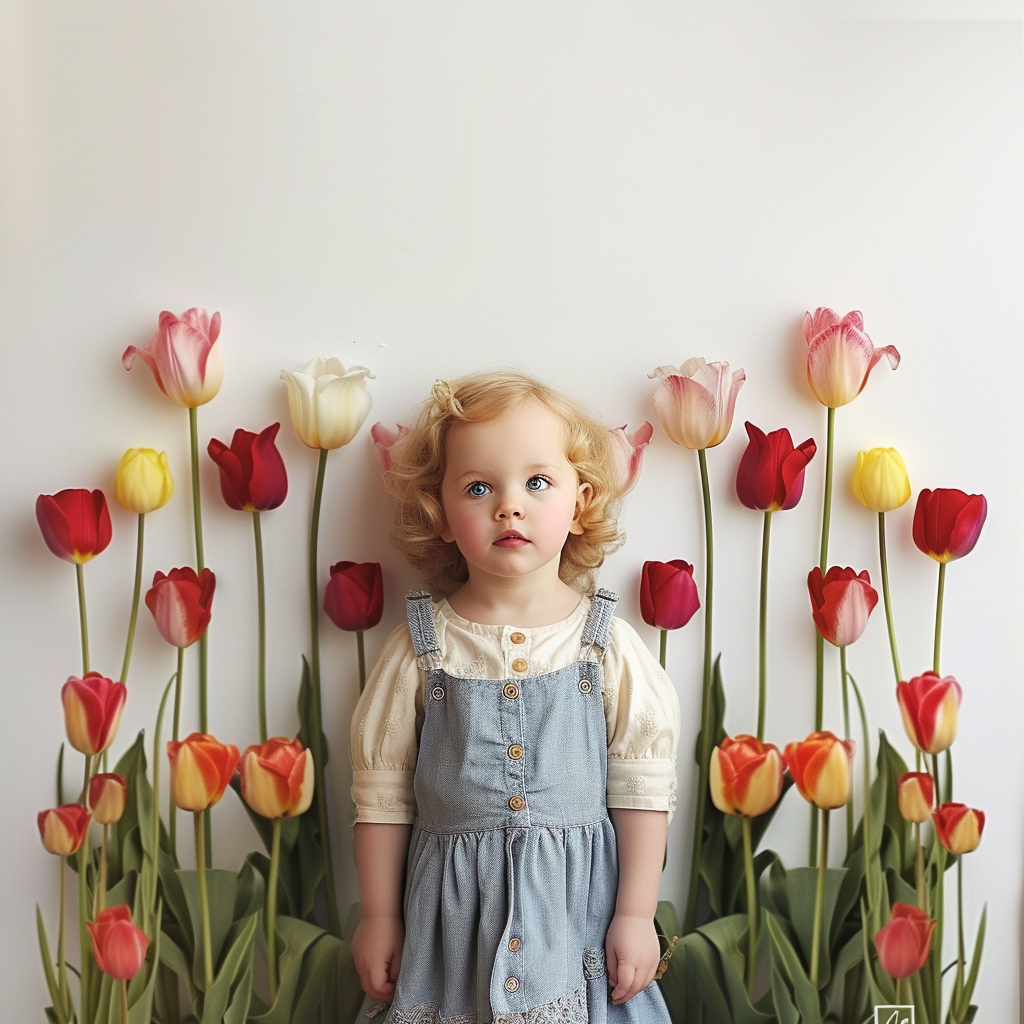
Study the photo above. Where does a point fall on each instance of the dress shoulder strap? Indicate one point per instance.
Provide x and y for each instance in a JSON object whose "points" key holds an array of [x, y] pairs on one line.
{"points": [[595, 630], [420, 611]]}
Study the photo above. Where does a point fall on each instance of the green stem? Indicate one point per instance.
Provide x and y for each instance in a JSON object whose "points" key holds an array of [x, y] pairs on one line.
{"points": [[172, 812], [819, 899], [99, 897], [83, 621], [63, 996], [958, 986], [361, 653], [275, 862], [705, 704], [261, 602], [901, 990], [922, 891], [935, 954], [124, 1001], [204, 901], [938, 617], [663, 647], [762, 636], [748, 867], [846, 734], [130, 642], [333, 920], [885, 595]]}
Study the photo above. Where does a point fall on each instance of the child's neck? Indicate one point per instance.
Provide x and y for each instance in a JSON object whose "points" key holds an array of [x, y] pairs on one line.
{"points": [[515, 601]]}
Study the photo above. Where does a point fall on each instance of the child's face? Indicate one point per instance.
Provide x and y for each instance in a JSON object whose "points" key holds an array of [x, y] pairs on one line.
{"points": [[510, 475]]}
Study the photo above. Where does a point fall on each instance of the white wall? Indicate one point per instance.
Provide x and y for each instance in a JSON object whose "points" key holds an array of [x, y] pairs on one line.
{"points": [[585, 190]]}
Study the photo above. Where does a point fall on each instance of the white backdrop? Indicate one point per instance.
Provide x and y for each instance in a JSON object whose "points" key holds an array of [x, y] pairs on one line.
{"points": [[584, 190]]}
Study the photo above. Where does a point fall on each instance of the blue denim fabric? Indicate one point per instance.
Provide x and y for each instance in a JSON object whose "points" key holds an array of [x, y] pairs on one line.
{"points": [[484, 874]]}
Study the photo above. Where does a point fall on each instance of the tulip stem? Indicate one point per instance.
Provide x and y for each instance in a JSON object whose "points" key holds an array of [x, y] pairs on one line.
{"points": [[204, 901], [762, 637], [901, 989], [124, 1001], [663, 648], [316, 725], [958, 986], [84, 945], [819, 898], [83, 620], [261, 603], [939, 906], [922, 891], [885, 595], [63, 996], [748, 867], [275, 863], [130, 642], [99, 897], [172, 811], [938, 620], [361, 654], [705, 702], [846, 734]]}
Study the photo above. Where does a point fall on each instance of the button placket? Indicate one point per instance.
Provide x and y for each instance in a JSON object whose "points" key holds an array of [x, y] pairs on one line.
{"points": [[512, 755]]}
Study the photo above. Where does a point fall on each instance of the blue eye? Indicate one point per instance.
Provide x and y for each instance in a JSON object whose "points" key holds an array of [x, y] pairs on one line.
{"points": [[477, 489], [537, 483]]}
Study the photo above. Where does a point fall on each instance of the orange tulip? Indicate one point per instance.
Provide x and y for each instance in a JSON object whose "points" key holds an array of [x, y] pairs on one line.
{"points": [[107, 794], [118, 946], [92, 711], [201, 768], [958, 827], [903, 943], [820, 767], [746, 776], [63, 829], [277, 778], [915, 794], [931, 711]]}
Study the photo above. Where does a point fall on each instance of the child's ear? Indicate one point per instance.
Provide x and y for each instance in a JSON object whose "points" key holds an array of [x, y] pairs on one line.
{"points": [[583, 494], [446, 534]]}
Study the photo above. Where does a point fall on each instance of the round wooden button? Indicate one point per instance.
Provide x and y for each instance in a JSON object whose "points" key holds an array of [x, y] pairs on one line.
{"points": [[518, 638], [517, 803], [437, 693], [515, 751], [519, 665], [511, 691], [514, 945]]}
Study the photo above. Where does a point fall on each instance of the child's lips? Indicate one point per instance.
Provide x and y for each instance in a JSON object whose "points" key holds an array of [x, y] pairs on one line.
{"points": [[511, 539]]}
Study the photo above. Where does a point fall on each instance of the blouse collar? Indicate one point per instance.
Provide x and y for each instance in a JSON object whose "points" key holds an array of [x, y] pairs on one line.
{"points": [[453, 618]]}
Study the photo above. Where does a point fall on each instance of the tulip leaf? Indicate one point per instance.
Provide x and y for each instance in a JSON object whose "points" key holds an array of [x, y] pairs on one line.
{"points": [[920, 1002], [141, 1010], [703, 967], [673, 983], [959, 1011], [305, 708], [173, 956], [232, 983], [222, 888], [729, 937], [796, 987], [801, 889], [60, 776], [851, 956], [294, 938], [880, 985], [48, 967]]}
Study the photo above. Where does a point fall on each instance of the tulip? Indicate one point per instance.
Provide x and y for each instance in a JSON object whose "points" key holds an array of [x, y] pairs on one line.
{"points": [[695, 402], [119, 947], [668, 595], [840, 356], [384, 439], [184, 356], [327, 402], [143, 482], [904, 942], [92, 711], [746, 776], [180, 602], [820, 766], [771, 472], [947, 522], [63, 829], [629, 454], [930, 706], [354, 599], [252, 473], [841, 602], [107, 794], [277, 778], [958, 827], [201, 768], [75, 523], [880, 480], [915, 795]]}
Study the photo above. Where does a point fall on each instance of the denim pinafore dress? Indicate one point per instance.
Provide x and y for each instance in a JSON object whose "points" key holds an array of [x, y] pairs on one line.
{"points": [[512, 869]]}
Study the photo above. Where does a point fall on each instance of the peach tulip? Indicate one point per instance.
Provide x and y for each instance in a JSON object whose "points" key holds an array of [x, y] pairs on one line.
{"points": [[118, 946], [841, 602], [92, 711], [277, 778], [930, 706], [915, 795], [108, 792], [958, 827], [180, 602], [746, 776], [201, 768], [840, 356], [820, 766], [695, 402], [63, 829]]}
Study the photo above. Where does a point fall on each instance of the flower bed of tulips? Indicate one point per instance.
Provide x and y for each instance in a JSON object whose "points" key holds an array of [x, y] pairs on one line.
{"points": [[758, 941]]}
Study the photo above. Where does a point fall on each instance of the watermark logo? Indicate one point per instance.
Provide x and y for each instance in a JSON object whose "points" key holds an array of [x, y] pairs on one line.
{"points": [[894, 1015]]}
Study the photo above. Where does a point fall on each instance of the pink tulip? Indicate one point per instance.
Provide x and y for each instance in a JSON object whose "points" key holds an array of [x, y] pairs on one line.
{"points": [[118, 946], [841, 602], [840, 356], [695, 402], [904, 942], [384, 439], [629, 454]]}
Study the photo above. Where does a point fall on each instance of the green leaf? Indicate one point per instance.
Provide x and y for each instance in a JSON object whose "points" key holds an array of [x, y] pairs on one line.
{"points": [[960, 1011], [729, 937], [140, 1004], [222, 888], [235, 974], [801, 890], [294, 938], [797, 986], [305, 708], [880, 985], [703, 967], [60, 776], [176, 959], [44, 951], [674, 983]]}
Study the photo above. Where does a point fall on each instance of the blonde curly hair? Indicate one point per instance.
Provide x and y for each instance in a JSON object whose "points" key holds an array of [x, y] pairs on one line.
{"points": [[417, 462]]}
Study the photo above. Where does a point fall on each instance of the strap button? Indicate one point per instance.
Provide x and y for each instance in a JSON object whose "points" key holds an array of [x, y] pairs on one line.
{"points": [[437, 693], [586, 685], [517, 803], [511, 691], [518, 638], [515, 751], [511, 984], [514, 945]]}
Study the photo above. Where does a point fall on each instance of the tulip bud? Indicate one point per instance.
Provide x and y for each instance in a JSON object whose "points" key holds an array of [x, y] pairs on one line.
{"points": [[820, 766], [746, 776], [695, 402], [201, 768], [930, 706], [948, 522], [904, 942], [75, 523], [327, 402], [63, 829], [840, 356], [384, 439], [841, 602], [143, 482], [277, 778], [354, 599], [252, 473], [771, 473], [92, 711], [668, 595], [107, 794], [180, 603], [958, 827], [915, 795], [880, 480], [629, 454], [118, 946]]}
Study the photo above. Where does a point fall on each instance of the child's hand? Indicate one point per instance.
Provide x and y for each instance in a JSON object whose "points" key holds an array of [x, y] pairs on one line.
{"points": [[632, 951], [377, 954]]}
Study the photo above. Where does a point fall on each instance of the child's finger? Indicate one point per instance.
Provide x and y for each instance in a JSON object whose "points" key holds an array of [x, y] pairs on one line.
{"points": [[382, 987], [625, 975]]}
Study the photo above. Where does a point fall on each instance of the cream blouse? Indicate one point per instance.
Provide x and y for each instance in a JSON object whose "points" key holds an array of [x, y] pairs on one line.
{"points": [[641, 707]]}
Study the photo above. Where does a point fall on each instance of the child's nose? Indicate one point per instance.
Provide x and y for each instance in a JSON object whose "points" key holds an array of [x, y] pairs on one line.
{"points": [[509, 510]]}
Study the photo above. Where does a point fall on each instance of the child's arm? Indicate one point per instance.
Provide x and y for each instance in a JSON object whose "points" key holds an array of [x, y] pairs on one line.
{"points": [[631, 945]]}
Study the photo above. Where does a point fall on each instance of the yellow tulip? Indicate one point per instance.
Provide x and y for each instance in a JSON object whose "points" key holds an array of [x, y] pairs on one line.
{"points": [[880, 480], [143, 482]]}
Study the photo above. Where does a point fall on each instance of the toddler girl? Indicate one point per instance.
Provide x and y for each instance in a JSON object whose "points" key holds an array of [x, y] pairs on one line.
{"points": [[502, 726]]}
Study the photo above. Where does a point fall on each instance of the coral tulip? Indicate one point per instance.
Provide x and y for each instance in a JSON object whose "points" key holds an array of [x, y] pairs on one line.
{"points": [[180, 603], [92, 711], [107, 794], [252, 473], [668, 595], [930, 705], [354, 599], [947, 522], [327, 402], [820, 767], [63, 829], [629, 454], [915, 796], [277, 778], [75, 523], [118, 946], [958, 827], [746, 776], [384, 439], [771, 472], [695, 402], [184, 356], [201, 768], [841, 602], [143, 482], [880, 480], [904, 942], [840, 356]]}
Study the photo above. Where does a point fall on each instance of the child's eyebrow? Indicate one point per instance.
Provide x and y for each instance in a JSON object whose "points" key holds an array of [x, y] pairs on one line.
{"points": [[536, 467]]}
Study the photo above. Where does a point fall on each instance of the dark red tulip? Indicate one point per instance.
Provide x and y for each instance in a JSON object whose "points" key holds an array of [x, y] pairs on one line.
{"points": [[668, 595], [75, 523], [180, 603], [947, 522], [841, 602], [355, 595], [771, 473], [252, 473]]}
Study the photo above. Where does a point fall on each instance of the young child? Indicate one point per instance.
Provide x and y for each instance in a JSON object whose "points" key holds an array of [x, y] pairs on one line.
{"points": [[502, 726]]}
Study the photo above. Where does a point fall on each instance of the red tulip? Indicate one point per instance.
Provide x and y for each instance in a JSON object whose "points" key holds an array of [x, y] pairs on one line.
{"points": [[201, 768], [629, 454], [354, 599], [771, 473], [841, 602], [746, 776], [119, 947], [75, 523], [384, 439], [277, 778], [252, 473], [668, 595], [947, 522], [903, 943], [958, 827], [92, 711], [820, 766], [63, 829], [930, 705], [180, 603], [108, 792], [915, 794]]}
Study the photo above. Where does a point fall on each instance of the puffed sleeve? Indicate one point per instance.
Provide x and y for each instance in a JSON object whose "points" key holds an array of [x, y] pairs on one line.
{"points": [[643, 718], [384, 736]]}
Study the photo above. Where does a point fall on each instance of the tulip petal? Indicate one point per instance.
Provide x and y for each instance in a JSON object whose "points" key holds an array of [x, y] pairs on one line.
{"points": [[342, 403], [268, 478], [687, 411], [301, 403]]}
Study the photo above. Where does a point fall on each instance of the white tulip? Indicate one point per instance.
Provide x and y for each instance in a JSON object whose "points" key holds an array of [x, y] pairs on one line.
{"points": [[327, 402]]}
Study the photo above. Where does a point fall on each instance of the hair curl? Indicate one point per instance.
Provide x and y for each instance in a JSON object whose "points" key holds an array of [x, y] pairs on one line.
{"points": [[417, 467]]}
